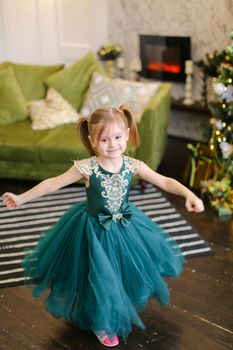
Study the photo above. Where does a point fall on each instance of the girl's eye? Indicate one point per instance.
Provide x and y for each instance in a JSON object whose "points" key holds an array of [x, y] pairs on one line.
{"points": [[118, 137], [103, 140]]}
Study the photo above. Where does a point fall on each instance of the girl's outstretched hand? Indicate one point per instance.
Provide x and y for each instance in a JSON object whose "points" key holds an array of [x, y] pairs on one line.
{"points": [[11, 200], [194, 203]]}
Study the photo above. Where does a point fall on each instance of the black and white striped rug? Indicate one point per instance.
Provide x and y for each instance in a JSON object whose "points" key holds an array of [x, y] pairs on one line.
{"points": [[20, 229]]}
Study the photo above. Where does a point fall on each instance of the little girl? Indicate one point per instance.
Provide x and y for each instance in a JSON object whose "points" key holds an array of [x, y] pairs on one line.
{"points": [[104, 258]]}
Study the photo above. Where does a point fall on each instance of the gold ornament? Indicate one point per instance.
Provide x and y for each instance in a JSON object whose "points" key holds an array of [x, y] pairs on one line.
{"points": [[213, 121]]}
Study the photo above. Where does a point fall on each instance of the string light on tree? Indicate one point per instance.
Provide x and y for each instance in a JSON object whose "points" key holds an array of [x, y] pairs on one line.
{"points": [[219, 187]]}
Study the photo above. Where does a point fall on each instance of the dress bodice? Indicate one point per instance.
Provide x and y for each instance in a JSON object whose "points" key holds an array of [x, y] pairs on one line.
{"points": [[107, 192]]}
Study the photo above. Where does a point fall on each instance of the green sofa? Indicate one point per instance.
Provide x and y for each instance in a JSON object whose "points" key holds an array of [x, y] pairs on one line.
{"points": [[38, 154]]}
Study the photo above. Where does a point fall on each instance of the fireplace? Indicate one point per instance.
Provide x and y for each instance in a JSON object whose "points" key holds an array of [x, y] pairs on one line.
{"points": [[163, 57]]}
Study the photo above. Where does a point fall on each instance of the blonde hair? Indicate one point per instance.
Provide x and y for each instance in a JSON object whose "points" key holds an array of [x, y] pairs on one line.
{"points": [[94, 125]]}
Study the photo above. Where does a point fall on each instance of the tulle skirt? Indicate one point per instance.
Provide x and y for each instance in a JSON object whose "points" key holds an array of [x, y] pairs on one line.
{"points": [[100, 279]]}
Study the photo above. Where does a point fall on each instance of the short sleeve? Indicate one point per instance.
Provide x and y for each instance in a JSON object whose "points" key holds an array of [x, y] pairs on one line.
{"points": [[136, 164], [84, 166], [133, 164]]}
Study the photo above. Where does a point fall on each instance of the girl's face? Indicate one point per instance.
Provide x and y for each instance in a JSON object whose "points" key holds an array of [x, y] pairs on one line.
{"points": [[112, 142]]}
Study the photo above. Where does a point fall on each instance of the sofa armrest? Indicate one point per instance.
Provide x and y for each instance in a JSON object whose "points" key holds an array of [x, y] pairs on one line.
{"points": [[153, 127]]}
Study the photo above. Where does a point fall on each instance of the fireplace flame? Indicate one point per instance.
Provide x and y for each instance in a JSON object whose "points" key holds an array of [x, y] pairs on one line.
{"points": [[165, 67]]}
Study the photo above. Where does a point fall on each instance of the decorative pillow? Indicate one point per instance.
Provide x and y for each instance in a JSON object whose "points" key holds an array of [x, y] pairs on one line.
{"points": [[31, 78], [51, 112], [73, 81], [12, 103], [101, 93], [104, 92], [135, 94]]}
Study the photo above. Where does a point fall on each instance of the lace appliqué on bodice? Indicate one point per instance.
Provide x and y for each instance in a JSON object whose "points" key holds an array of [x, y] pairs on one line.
{"points": [[114, 186]]}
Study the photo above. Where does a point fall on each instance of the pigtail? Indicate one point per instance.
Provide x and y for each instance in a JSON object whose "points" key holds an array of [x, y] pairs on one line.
{"points": [[83, 133], [134, 138]]}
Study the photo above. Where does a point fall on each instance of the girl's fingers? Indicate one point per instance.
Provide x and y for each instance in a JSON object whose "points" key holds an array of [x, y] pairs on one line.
{"points": [[196, 206], [9, 199], [189, 207]]}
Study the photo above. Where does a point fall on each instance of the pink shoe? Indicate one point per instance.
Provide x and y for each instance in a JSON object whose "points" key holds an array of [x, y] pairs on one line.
{"points": [[106, 340]]}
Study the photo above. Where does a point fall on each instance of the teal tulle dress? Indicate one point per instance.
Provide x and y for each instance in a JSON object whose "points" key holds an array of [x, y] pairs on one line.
{"points": [[103, 260]]}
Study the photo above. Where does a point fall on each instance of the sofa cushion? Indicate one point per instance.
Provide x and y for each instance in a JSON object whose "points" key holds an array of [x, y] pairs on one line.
{"points": [[51, 112], [12, 103], [62, 145], [19, 142], [104, 92], [31, 79], [73, 81]]}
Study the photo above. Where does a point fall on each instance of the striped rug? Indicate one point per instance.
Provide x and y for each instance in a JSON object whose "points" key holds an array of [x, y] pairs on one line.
{"points": [[20, 229]]}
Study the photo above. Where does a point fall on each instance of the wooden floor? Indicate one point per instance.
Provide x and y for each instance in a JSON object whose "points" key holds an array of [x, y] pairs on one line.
{"points": [[200, 316]]}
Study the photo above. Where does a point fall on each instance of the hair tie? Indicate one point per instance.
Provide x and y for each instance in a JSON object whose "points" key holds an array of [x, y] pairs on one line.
{"points": [[119, 110]]}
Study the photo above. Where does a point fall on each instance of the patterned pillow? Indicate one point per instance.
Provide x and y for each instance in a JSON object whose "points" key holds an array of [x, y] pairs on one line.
{"points": [[104, 92], [51, 112]]}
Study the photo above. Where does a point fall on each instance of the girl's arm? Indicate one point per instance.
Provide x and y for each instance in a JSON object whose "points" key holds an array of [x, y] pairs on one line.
{"points": [[49, 185], [193, 203]]}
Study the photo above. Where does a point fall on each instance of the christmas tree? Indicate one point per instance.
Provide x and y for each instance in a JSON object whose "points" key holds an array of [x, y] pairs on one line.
{"points": [[219, 187]]}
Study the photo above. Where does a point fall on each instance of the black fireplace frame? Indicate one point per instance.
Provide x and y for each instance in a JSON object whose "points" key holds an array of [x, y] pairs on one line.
{"points": [[184, 44]]}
